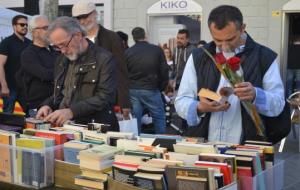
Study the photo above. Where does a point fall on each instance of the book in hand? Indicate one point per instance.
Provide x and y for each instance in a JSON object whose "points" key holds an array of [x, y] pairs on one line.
{"points": [[211, 95]]}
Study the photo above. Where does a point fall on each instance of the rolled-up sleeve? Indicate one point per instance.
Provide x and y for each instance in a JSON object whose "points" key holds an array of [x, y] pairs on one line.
{"points": [[186, 100], [270, 100]]}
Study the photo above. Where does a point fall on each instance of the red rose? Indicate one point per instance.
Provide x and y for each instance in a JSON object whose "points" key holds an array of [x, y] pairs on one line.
{"points": [[234, 63], [219, 57]]}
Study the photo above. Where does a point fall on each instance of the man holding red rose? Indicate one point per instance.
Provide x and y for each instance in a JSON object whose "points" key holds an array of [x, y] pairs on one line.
{"points": [[263, 87]]}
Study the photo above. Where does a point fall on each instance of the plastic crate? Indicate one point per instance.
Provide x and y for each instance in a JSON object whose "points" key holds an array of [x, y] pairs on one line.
{"points": [[28, 167]]}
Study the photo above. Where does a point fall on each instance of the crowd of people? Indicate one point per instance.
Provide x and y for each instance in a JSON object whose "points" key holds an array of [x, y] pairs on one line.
{"points": [[75, 69]]}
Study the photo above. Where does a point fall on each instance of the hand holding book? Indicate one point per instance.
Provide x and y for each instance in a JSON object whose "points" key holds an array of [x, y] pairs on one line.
{"points": [[211, 101]]}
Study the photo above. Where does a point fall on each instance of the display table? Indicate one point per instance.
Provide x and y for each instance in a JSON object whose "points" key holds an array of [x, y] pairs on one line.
{"points": [[8, 186]]}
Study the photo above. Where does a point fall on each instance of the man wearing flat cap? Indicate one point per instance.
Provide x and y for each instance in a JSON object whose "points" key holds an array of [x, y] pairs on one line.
{"points": [[85, 12]]}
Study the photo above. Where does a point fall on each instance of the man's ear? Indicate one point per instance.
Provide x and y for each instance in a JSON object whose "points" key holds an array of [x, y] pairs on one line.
{"points": [[243, 28]]}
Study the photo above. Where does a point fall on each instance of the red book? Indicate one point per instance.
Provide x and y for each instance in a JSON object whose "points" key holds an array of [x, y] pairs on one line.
{"points": [[125, 165], [59, 138], [244, 171], [224, 168], [245, 177]]}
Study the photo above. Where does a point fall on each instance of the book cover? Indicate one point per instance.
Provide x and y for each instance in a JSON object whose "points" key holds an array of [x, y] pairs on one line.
{"points": [[31, 161], [60, 138], [221, 158], [188, 148], [206, 93], [72, 149], [100, 152], [224, 168], [149, 181], [6, 167], [173, 172], [187, 159], [124, 175]]}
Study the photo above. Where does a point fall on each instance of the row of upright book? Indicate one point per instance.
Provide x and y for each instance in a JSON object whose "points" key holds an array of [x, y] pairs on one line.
{"points": [[76, 156], [26, 161]]}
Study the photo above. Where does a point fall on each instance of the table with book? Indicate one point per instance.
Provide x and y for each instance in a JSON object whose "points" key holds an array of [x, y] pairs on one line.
{"points": [[74, 157]]}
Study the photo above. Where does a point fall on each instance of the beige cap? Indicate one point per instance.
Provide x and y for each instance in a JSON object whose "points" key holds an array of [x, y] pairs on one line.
{"points": [[82, 8]]}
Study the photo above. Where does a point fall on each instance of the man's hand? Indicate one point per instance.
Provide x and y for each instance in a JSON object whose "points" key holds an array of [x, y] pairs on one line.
{"points": [[245, 91], [43, 112], [4, 91], [211, 106], [126, 112], [58, 117]]}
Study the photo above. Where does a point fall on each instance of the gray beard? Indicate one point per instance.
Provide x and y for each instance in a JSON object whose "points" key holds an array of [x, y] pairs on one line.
{"points": [[75, 56]]}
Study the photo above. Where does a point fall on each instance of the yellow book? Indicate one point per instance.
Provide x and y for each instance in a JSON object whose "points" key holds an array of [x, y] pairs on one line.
{"points": [[5, 158], [24, 146]]}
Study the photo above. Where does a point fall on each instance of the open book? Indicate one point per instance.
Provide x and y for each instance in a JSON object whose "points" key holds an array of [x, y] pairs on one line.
{"points": [[225, 93]]}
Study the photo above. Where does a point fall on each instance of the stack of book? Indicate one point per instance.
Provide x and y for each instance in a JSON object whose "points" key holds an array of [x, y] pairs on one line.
{"points": [[65, 173], [94, 162], [32, 123], [141, 171]]}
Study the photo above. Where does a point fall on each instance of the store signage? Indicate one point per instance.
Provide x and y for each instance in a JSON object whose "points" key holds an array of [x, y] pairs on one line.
{"points": [[173, 4], [175, 7]]}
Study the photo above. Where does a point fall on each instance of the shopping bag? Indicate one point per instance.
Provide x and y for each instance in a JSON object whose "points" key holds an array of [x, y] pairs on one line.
{"points": [[129, 125]]}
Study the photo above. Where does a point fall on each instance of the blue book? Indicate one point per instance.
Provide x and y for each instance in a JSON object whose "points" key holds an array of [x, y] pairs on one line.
{"points": [[71, 154], [72, 149]]}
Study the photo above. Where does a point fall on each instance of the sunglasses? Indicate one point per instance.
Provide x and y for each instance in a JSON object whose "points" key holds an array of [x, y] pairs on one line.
{"points": [[84, 16], [22, 24], [42, 27]]}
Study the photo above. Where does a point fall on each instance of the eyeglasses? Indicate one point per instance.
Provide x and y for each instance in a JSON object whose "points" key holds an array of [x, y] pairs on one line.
{"points": [[63, 45], [84, 16], [22, 24], [42, 27]]}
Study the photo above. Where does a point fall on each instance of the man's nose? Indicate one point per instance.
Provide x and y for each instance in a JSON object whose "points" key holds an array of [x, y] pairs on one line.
{"points": [[81, 21]]}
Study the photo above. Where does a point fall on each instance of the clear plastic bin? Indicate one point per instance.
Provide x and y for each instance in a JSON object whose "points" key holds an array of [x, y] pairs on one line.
{"points": [[28, 167], [270, 179]]}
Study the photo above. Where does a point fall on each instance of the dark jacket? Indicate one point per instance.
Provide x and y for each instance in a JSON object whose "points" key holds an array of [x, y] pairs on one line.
{"points": [[180, 63], [37, 72], [147, 67], [255, 61], [110, 41], [294, 57], [94, 92]]}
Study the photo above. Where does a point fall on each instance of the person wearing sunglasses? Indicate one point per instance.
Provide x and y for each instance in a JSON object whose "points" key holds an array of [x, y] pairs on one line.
{"points": [[10, 51], [37, 66], [85, 84], [85, 12]]}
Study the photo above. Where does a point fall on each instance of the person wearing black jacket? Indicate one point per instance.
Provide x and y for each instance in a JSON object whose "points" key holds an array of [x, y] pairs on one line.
{"points": [[148, 75], [85, 12], [37, 65], [85, 84]]}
